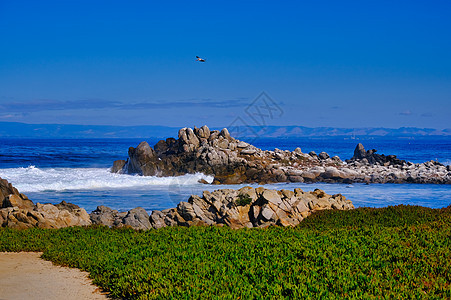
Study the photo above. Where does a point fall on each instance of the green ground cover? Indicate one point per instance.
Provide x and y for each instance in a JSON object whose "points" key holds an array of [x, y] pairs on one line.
{"points": [[401, 252]]}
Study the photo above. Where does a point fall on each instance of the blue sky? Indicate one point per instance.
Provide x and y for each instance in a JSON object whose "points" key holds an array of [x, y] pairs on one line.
{"points": [[327, 63]]}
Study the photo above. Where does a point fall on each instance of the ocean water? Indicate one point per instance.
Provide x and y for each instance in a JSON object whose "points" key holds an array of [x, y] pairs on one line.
{"points": [[77, 171]]}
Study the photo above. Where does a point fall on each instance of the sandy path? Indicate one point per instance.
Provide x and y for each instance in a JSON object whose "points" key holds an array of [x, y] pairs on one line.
{"points": [[26, 276]]}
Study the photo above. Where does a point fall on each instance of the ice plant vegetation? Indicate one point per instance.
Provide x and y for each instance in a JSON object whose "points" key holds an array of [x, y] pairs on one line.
{"points": [[395, 252]]}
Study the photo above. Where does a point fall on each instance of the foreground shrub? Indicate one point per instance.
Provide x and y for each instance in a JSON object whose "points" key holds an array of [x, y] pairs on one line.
{"points": [[336, 254]]}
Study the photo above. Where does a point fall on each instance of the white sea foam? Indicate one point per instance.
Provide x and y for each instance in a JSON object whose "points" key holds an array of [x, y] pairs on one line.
{"points": [[34, 179]]}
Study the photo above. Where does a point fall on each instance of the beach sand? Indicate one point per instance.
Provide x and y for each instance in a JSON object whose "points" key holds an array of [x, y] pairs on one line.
{"points": [[25, 275]]}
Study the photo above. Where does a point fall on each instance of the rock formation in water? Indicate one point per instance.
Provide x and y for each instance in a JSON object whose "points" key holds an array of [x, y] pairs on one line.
{"points": [[232, 162], [246, 207], [17, 211]]}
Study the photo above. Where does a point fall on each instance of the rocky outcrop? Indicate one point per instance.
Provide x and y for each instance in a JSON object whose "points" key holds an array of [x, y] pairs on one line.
{"points": [[246, 207], [10, 197], [231, 161], [107, 216], [136, 218], [371, 167], [372, 158], [17, 211]]}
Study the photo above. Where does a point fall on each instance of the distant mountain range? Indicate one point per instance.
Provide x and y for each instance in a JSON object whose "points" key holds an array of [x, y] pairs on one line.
{"points": [[22, 130]]}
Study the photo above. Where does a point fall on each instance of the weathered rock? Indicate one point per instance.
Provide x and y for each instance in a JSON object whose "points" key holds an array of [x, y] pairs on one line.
{"points": [[10, 197], [248, 151], [323, 155], [61, 215], [204, 132], [248, 207], [141, 159], [104, 215], [371, 157], [16, 200], [118, 165], [232, 162], [333, 173], [137, 218], [359, 151], [19, 212], [242, 145]]}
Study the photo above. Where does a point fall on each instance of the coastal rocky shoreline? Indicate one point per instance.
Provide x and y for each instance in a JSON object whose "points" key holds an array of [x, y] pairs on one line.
{"points": [[17, 211], [231, 161], [246, 207]]}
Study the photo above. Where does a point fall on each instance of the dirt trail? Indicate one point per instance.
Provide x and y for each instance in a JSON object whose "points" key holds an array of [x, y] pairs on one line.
{"points": [[24, 275]]}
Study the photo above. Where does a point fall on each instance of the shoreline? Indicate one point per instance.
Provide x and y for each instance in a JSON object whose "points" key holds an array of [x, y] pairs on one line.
{"points": [[41, 279]]}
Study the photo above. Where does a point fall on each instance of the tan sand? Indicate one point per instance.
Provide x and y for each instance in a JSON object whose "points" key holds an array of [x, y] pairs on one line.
{"points": [[26, 276]]}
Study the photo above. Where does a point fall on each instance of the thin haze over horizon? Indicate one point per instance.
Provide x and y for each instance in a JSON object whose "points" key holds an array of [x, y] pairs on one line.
{"points": [[340, 64]]}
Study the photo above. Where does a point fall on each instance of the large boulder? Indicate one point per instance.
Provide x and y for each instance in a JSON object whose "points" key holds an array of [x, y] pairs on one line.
{"points": [[104, 215], [118, 165], [61, 215], [10, 197], [137, 218], [141, 159], [17, 211], [359, 151]]}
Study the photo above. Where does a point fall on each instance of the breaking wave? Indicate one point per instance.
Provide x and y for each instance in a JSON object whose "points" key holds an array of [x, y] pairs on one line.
{"points": [[32, 179]]}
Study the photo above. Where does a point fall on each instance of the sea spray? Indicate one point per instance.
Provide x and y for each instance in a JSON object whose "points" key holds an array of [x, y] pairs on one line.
{"points": [[32, 179]]}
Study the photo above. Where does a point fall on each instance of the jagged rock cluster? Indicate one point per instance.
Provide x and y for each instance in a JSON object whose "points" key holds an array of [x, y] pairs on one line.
{"points": [[378, 168], [248, 207], [17, 211], [232, 162], [372, 158]]}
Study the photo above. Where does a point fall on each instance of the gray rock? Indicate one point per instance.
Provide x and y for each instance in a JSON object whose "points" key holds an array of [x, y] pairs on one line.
{"points": [[204, 132], [186, 211], [295, 178], [104, 215], [336, 158], [323, 155], [272, 196], [248, 152], [331, 172], [309, 175], [225, 133], [157, 219], [267, 213], [359, 151], [137, 218], [242, 144], [139, 157]]}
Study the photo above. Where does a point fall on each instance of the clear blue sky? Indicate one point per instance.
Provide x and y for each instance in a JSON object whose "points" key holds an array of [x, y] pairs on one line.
{"points": [[325, 63]]}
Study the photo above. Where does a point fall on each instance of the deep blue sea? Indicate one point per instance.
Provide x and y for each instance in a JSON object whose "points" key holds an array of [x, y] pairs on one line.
{"points": [[77, 171]]}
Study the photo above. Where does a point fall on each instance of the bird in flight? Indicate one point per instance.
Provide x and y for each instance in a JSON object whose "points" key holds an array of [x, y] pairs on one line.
{"points": [[200, 59]]}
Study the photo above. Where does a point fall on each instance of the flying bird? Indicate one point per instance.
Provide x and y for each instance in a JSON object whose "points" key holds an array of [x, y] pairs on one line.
{"points": [[200, 59]]}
